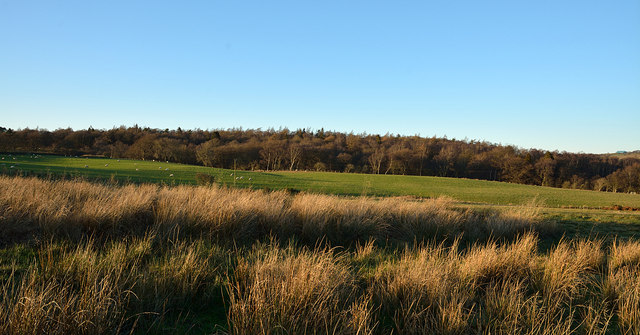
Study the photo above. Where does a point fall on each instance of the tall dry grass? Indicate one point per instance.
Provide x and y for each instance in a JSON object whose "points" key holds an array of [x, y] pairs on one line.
{"points": [[289, 291], [624, 284], [35, 208], [113, 288], [575, 288], [39, 209], [578, 287], [128, 258], [69, 291]]}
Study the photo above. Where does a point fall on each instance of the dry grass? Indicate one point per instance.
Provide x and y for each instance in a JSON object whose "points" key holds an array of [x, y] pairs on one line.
{"points": [[567, 272], [624, 284], [39, 209], [34, 306], [489, 288], [436, 289], [69, 292], [293, 291], [121, 259], [101, 289], [36, 208], [422, 292]]}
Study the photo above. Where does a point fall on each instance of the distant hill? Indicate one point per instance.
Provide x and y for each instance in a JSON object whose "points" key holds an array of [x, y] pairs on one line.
{"points": [[626, 154]]}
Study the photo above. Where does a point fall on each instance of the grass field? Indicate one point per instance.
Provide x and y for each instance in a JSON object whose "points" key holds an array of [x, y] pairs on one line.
{"points": [[98, 258], [149, 255], [464, 190]]}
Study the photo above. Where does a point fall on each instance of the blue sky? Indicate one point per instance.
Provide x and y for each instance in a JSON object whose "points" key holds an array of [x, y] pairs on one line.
{"points": [[557, 75]]}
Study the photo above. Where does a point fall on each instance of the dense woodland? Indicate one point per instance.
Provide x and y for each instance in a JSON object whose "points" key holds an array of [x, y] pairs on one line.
{"points": [[321, 150]]}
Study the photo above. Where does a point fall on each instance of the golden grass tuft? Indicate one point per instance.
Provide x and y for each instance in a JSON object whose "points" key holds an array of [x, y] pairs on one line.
{"points": [[423, 293], [624, 254], [624, 284], [489, 263], [278, 290], [567, 272], [68, 292]]}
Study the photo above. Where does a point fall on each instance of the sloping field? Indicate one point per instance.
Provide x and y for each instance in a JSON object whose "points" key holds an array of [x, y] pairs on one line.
{"points": [[466, 190], [79, 257]]}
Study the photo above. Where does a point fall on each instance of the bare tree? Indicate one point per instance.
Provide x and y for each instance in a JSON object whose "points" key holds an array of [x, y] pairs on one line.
{"points": [[294, 151], [376, 158]]}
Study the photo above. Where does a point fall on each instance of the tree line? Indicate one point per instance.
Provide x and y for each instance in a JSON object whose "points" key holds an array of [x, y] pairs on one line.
{"points": [[320, 150]]}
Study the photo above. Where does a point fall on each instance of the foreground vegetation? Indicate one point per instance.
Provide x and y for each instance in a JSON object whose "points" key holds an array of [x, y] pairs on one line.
{"points": [[467, 190], [80, 258], [36, 209], [154, 285]]}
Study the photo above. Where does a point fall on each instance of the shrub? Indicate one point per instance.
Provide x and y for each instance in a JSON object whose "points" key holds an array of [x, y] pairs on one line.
{"points": [[319, 166], [205, 179]]}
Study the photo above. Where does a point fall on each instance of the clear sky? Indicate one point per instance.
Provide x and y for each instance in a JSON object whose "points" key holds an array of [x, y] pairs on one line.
{"points": [[556, 74]]}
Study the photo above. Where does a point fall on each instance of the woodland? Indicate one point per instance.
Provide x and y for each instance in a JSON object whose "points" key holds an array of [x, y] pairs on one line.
{"points": [[321, 150]]}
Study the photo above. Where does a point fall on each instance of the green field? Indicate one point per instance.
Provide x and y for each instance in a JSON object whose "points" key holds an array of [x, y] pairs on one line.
{"points": [[113, 258], [465, 190]]}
